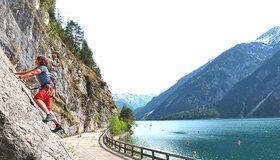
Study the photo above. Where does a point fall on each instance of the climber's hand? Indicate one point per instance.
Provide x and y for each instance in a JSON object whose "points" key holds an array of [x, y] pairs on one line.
{"points": [[12, 70], [18, 76]]}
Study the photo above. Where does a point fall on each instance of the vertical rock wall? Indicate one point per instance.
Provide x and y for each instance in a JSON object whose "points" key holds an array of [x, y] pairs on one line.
{"points": [[84, 101], [23, 135]]}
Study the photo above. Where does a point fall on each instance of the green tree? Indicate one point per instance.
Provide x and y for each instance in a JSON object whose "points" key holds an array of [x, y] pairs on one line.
{"points": [[122, 122], [75, 36], [116, 126], [86, 56], [72, 36], [58, 18], [126, 115]]}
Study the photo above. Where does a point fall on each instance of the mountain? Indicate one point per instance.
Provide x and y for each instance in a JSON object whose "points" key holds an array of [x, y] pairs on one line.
{"points": [[214, 81], [270, 37], [258, 95], [132, 101], [143, 112]]}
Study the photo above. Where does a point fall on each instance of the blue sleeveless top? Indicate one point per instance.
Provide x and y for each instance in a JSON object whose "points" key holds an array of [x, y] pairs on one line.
{"points": [[43, 77]]}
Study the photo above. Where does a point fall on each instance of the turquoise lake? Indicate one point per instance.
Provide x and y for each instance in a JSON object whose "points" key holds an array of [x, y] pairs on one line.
{"points": [[212, 139]]}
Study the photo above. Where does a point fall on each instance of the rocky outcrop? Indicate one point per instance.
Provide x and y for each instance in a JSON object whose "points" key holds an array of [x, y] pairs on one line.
{"points": [[23, 135], [84, 101]]}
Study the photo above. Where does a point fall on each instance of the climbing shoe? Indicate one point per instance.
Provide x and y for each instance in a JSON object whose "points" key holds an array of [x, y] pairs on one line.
{"points": [[48, 118], [57, 128]]}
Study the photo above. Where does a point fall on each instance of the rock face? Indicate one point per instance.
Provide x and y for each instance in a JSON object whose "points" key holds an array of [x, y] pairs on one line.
{"points": [[23, 135], [83, 102]]}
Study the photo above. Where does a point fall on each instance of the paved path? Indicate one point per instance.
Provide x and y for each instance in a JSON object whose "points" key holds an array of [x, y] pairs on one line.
{"points": [[88, 147]]}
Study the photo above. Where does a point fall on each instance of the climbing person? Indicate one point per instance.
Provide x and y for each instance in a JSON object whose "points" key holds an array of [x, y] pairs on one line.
{"points": [[47, 89]]}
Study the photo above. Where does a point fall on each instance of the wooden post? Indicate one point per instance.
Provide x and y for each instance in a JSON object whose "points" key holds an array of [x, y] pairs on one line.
{"points": [[153, 155], [167, 156], [119, 147], [141, 153], [124, 148], [132, 148]]}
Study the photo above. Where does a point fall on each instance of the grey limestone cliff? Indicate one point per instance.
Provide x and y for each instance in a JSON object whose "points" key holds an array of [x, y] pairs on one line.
{"points": [[23, 135], [83, 103]]}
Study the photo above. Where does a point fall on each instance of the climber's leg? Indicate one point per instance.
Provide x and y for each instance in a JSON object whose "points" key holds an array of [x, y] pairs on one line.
{"points": [[41, 98], [48, 103]]}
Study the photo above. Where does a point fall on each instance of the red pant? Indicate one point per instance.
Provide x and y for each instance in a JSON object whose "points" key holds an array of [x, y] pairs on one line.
{"points": [[43, 95]]}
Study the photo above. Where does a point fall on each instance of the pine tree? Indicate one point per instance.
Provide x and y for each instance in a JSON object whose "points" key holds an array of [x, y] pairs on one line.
{"points": [[78, 36], [126, 115], [75, 36], [59, 18], [87, 57]]}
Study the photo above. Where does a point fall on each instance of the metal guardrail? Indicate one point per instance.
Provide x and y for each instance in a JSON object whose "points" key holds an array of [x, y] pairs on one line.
{"points": [[138, 152]]}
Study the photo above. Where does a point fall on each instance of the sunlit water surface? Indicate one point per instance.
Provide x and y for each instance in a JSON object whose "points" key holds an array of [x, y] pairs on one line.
{"points": [[212, 139]]}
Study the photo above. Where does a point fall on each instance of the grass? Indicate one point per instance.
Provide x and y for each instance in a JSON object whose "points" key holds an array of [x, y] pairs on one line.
{"points": [[64, 113], [59, 100]]}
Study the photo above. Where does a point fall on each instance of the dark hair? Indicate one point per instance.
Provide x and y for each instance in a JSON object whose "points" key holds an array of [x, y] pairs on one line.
{"points": [[43, 60]]}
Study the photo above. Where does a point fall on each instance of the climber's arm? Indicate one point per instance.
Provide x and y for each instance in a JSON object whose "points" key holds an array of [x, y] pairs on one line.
{"points": [[22, 72], [29, 74]]}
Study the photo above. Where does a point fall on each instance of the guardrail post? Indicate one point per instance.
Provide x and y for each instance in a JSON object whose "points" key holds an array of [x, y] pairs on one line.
{"points": [[108, 143], [141, 153], [119, 147], [132, 148], [167, 156], [153, 155], [124, 148]]}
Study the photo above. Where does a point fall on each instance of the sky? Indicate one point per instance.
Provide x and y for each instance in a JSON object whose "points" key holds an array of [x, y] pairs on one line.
{"points": [[146, 46]]}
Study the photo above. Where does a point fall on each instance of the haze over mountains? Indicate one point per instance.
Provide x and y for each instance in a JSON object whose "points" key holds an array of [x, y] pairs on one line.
{"points": [[241, 82], [132, 101]]}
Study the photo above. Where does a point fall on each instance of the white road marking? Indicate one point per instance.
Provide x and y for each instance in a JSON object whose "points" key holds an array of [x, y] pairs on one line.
{"points": [[87, 153]]}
